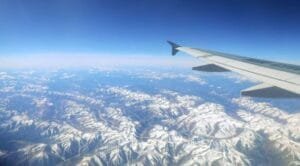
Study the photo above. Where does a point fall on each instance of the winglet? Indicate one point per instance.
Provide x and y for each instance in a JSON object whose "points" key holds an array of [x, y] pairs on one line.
{"points": [[174, 47]]}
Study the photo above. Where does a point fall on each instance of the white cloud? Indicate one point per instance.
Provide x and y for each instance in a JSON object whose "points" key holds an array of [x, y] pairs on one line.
{"points": [[239, 78], [93, 60], [155, 75]]}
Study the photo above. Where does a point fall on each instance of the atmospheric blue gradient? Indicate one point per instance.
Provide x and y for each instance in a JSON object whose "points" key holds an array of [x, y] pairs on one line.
{"points": [[267, 29]]}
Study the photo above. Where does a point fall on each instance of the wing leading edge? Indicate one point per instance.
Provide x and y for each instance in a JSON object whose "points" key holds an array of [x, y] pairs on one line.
{"points": [[280, 80]]}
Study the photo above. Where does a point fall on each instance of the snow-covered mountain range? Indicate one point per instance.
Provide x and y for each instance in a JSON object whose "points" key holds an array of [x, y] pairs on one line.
{"points": [[142, 117]]}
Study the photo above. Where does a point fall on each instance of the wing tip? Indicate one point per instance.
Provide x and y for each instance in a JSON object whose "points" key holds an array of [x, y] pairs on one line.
{"points": [[174, 47]]}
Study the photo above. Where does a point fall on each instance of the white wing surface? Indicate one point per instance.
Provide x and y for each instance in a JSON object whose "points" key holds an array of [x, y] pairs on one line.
{"points": [[279, 80]]}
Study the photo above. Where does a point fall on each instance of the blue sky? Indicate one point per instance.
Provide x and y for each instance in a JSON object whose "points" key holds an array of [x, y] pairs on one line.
{"points": [[267, 29]]}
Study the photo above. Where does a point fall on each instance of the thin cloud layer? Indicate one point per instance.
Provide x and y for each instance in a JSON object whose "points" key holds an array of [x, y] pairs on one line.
{"points": [[93, 60]]}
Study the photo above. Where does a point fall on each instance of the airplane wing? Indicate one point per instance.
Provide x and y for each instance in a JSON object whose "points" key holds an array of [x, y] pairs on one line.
{"points": [[279, 80]]}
